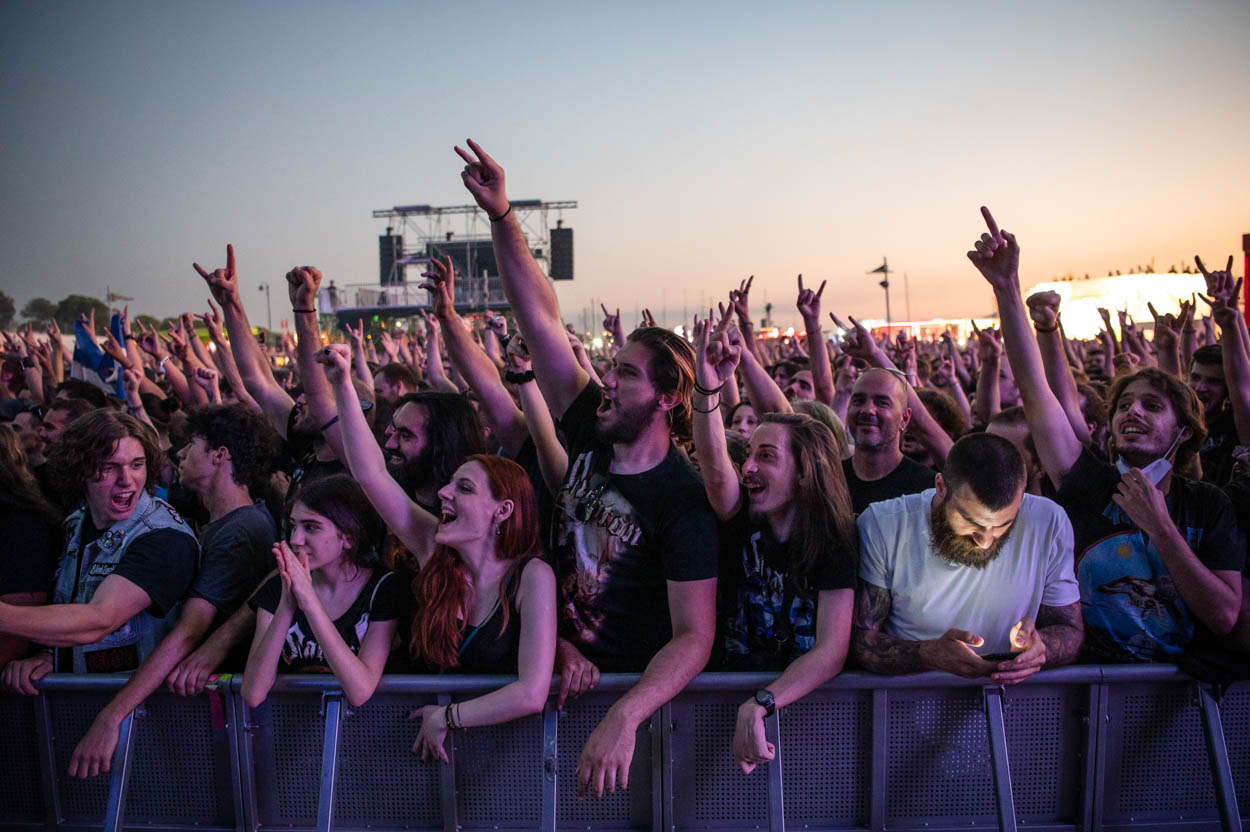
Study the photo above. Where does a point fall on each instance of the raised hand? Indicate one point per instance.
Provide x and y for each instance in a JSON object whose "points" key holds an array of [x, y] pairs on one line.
{"points": [[356, 336], [483, 177], [206, 380], [1044, 309], [150, 343], [648, 320], [440, 281], [1168, 328], [716, 358], [54, 334], [497, 324], [337, 360], [177, 342], [997, 256], [612, 323], [223, 283], [858, 342], [212, 323], [844, 381], [1219, 283], [132, 380], [808, 302], [389, 346], [113, 349], [989, 344], [738, 299], [302, 285]]}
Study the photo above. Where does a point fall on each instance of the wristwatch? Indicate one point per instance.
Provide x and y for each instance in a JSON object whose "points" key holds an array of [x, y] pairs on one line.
{"points": [[764, 698]]}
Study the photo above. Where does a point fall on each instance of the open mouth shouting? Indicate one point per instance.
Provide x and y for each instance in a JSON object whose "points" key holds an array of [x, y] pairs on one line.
{"points": [[122, 502]]}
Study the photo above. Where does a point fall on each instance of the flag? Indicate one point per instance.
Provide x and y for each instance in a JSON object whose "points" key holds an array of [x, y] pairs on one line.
{"points": [[882, 269], [113, 296], [93, 364]]}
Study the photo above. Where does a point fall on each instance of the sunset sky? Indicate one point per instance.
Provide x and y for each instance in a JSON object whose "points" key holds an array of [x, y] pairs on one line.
{"points": [[703, 141]]}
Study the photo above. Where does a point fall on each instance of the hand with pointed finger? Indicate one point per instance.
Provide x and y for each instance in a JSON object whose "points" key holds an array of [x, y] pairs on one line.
{"points": [[715, 358], [612, 324], [997, 256], [1144, 504], [302, 285], [223, 283], [808, 304], [648, 320], [483, 177], [844, 380], [1219, 283], [431, 741], [1044, 309], [750, 744], [989, 344], [577, 673]]}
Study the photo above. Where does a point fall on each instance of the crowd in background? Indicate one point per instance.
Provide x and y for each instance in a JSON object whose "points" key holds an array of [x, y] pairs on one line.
{"points": [[495, 495]]}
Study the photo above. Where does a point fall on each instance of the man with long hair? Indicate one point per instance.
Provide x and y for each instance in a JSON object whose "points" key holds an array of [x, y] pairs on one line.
{"points": [[634, 539]]}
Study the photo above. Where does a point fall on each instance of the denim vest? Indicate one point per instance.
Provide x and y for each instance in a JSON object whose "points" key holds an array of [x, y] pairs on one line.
{"points": [[83, 569]]}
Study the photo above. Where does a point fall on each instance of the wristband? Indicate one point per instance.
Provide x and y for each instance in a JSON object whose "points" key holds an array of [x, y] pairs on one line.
{"points": [[28, 363], [130, 336], [711, 409], [501, 216], [329, 424], [514, 377], [707, 392], [305, 311], [160, 368], [1054, 328]]}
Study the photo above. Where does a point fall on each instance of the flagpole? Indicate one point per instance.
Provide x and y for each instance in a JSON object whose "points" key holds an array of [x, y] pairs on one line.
{"points": [[884, 269]]}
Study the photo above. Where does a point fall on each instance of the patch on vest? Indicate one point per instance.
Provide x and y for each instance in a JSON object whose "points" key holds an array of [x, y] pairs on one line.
{"points": [[101, 570], [174, 514]]}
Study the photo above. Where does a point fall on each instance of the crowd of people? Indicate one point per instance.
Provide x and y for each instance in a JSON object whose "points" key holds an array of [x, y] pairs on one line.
{"points": [[500, 498]]}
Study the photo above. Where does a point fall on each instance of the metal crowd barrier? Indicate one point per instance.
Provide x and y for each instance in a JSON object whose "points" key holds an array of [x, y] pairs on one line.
{"points": [[1086, 747]]}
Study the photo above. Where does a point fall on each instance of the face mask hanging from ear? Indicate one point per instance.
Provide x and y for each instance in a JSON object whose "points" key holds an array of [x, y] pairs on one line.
{"points": [[1157, 470]]}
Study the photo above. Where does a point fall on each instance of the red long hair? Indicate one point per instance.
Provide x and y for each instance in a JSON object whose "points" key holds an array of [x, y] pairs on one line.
{"points": [[441, 587]]}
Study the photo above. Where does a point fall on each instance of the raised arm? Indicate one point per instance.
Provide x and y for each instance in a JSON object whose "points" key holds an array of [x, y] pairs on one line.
{"points": [[435, 374], [809, 308], [1224, 296], [253, 366], [997, 257], [529, 294], [1044, 310], [223, 356], [303, 282], [413, 525], [764, 394], [478, 369], [715, 362]]}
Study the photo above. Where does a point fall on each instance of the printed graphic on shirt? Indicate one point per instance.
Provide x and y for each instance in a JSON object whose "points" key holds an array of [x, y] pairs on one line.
{"points": [[301, 648], [762, 598], [596, 528], [1129, 600]]}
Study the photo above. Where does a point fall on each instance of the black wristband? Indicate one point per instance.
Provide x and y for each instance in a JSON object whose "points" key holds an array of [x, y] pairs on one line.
{"points": [[306, 311], [1054, 328], [329, 424], [501, 216], [711, 409], [514, 377], [707, 392]]}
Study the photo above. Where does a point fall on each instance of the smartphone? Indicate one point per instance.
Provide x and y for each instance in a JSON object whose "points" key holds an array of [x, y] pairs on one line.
{"points": [[999, 657]]}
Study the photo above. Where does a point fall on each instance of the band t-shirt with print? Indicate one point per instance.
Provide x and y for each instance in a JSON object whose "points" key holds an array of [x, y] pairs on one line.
{"points": [[1132, 609], [379, 600], [756, 585], [618, 538]]}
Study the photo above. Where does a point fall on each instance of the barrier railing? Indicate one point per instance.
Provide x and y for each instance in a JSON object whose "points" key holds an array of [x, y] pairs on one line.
{"points": [[1083, 747]]}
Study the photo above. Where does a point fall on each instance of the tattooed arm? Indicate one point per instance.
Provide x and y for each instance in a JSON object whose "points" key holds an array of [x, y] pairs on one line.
{"points": [[874, 650], [1063, 631], [883, 653]]}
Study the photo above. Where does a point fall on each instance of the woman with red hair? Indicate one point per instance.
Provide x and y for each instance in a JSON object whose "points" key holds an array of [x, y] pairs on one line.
{"points": [[485, 601]]}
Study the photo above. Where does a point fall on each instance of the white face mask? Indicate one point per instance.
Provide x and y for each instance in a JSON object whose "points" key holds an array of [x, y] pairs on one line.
{"points": [[1157, 470]]}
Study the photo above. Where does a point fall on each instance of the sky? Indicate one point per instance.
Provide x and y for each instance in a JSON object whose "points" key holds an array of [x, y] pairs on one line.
{"points": [[703, 141]]}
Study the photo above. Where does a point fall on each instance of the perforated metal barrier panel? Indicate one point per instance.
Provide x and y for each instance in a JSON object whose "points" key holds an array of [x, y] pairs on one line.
{"points": [[1115, 747]]}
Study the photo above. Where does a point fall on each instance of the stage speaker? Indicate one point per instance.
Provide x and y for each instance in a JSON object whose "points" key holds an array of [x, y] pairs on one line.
{"points": [[390, 249], [561, 254]]}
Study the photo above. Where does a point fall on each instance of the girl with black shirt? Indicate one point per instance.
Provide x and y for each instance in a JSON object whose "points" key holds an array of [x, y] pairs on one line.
{"points": [[330, 608]]}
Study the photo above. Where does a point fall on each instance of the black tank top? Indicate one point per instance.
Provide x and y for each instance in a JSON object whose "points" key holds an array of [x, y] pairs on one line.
{"points": [[485, 650]]}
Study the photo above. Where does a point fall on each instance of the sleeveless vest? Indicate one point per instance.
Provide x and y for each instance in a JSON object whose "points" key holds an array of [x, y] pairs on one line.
{"points": [[83, 569]]}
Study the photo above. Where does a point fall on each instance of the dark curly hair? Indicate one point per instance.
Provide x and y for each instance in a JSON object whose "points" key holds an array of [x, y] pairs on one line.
{"points": [[248, 436], [89, 440]]}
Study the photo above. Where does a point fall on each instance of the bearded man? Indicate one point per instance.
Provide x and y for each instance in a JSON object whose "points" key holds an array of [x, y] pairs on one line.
{"points": [[973, 577]]}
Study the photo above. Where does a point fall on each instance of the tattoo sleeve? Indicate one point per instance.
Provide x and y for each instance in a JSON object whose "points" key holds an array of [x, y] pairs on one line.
{"points": [[1063, 631], [876, 651]]}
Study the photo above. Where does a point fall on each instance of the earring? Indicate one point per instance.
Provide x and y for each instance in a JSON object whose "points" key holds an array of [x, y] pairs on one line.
{"points": [[498, 530]]}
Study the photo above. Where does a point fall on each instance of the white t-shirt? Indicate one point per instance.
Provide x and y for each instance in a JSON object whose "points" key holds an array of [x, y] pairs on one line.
{"points": [[931, 596]]}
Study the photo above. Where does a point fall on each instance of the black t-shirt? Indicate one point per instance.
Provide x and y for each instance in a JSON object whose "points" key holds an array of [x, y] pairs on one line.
{"points": [[161, 563], [1132, 609], [28, 553], [1238, 491], [909, 477], [378, 601], [236, 552], [1217, 450], [618, 538], [756, 586]]}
